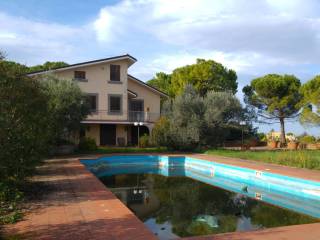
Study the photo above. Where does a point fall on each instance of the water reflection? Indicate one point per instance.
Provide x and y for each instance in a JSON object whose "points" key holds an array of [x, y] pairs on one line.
{"points": [[180, 206]]}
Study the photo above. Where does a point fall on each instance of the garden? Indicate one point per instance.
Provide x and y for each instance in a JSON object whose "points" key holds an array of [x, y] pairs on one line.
{"points": [[202, 115]]}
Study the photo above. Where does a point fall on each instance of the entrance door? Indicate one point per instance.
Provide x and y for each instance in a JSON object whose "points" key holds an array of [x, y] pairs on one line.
{"points": [[134, 133], [107, 134], [136, 110]]}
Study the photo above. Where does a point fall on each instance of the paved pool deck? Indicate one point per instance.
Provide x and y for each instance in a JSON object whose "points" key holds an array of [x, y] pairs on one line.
{"points": [[78, 206]]}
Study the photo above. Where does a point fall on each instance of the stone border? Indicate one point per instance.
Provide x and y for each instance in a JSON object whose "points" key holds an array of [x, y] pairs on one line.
{"points": [[293, 232], [81, 207]]}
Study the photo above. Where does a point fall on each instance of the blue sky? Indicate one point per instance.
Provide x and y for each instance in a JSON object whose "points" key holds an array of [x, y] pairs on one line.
{"points": [[252, 37]]}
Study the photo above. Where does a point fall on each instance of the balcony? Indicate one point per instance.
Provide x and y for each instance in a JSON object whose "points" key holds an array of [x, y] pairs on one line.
{"points": [[129, 116]]}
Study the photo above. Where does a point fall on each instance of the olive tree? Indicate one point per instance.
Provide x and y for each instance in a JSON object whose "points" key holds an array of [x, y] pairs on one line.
{"points": [[223, 112], [186, 119], [275, 97], [67, 106], [191, 120]]}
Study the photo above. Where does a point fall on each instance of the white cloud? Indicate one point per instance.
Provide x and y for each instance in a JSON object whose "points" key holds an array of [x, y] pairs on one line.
{"points": [[32, 42], [167, 63], [240, 62], [249, 36], [286, 32]]}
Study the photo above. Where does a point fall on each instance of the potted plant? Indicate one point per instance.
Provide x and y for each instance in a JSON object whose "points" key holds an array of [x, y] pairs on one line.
{"points": [[253, 141], [273, 142], [293, 144], [308, 142]]}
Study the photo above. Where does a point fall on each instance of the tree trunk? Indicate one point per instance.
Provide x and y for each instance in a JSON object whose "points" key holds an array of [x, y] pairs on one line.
{"points": [[283, 134]]}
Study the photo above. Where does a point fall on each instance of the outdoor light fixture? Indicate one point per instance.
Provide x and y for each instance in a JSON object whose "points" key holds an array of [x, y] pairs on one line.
{"points": [[137, 124], [242, 123]]}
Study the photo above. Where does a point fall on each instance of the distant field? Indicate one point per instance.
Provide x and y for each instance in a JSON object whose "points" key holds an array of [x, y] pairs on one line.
{"points": [[302, 158]]}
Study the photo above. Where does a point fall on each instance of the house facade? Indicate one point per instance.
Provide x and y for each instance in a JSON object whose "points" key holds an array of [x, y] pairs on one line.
{"points": [[119, 102]]}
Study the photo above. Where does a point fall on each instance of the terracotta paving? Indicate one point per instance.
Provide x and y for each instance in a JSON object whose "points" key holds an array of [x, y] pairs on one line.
{"points": [[78, 206]]}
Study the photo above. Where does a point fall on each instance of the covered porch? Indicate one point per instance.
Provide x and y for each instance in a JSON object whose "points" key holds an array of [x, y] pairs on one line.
{"points": [[115, 133]]}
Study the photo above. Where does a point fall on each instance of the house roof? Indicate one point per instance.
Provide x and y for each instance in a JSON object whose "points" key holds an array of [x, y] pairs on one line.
{"points": [[88, 63], [147, 86], [132, 93], [103, 60]]}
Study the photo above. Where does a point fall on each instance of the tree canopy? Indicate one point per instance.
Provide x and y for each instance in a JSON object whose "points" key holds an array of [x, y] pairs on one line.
{"points": [[24, 133], [191, 120], [27, 69], [311, 102], [204, 76], [67, 106], [35, 113], [47, 66], [276, 97], [162, 81]]}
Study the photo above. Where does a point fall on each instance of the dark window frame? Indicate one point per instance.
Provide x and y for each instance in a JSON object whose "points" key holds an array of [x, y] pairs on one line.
{"points": [[81, 78], [115, 112], [141, 100], [97, 102], [115, 77]]}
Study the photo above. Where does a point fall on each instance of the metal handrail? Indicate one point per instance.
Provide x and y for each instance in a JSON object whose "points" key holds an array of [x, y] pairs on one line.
{"points": [[130, 116]]}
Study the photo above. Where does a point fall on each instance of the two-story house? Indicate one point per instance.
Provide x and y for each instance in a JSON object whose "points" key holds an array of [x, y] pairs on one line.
{"points": [[120, 103]]}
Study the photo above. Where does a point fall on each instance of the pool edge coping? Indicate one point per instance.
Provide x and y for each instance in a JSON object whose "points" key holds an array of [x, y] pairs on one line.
{"points": [[291, 231]]}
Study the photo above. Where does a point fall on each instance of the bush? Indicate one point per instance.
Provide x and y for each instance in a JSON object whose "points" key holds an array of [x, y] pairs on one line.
{"points": [[24, 134], [144, 141], [87, 144], [67, 106], [193, 121], [159, 132], [33, 115], [10, 197], [307, 139], [262, 137]]}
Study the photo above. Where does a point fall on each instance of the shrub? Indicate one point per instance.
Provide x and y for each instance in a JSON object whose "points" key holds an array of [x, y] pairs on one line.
{"points": [[67, 106], [144, 141], [10, 196], [87, 144], [193, 121], [160, 131], [24, 134], [262, 137], [307, 139]]}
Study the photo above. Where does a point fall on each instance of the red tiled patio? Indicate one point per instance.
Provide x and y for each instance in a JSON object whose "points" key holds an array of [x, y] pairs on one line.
{"points": [[79, 206]]}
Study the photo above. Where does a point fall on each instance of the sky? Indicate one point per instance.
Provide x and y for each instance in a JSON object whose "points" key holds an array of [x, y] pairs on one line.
{"points": [[252, 37]]}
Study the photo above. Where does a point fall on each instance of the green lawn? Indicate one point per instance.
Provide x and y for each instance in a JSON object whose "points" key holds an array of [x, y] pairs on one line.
{"points": [[302, 158]]}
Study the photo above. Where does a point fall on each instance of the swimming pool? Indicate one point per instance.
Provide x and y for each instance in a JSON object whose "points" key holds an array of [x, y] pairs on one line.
{"points": [[298, 195]]}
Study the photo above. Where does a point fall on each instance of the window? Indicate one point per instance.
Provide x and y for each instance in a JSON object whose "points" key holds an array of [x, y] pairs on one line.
{"points": [[92, 101], [79, 75], [115, 104], [115, 73]]}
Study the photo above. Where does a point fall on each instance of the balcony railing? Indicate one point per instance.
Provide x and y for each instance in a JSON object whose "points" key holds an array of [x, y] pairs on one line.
{"points": [[129, 116]]}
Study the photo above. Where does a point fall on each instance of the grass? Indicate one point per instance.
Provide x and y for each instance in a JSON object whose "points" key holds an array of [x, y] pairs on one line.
{"points": [[302, 158]]}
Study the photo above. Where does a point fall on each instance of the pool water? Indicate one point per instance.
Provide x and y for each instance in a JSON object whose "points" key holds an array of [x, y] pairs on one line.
{"points": [[179, 196], [179, 206]]}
